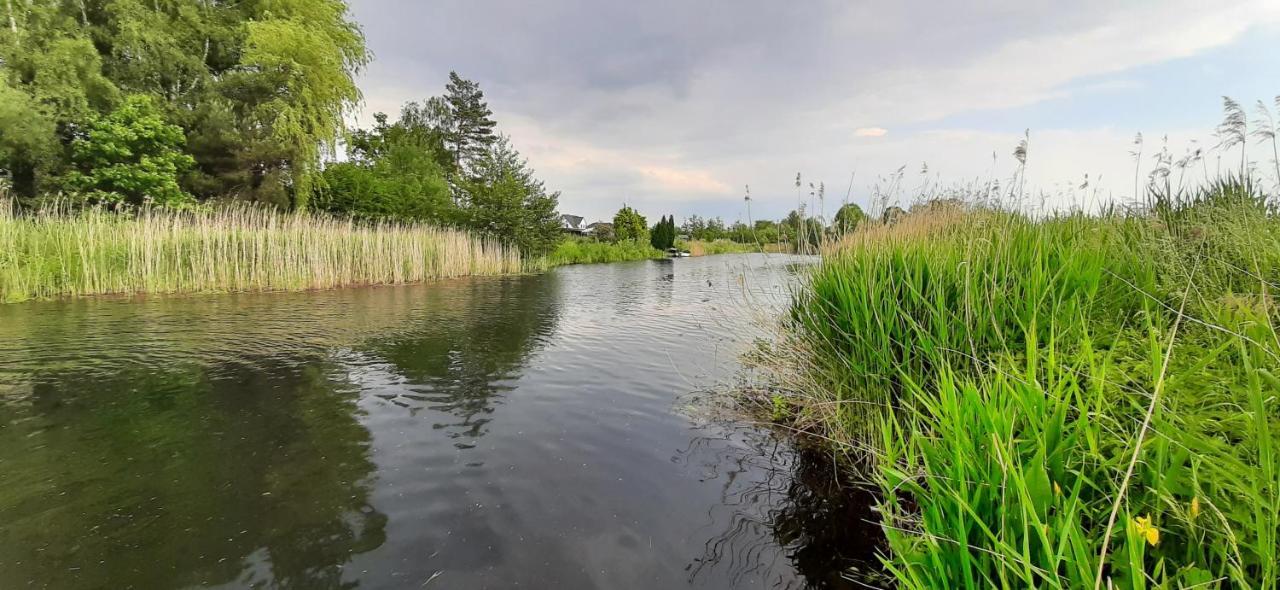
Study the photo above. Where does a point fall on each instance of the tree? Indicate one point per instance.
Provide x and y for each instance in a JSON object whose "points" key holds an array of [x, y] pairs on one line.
{"points": [[766, 231], [506, 201], [694, 227], [132, 155], [629, 225], [258, 88], [28, 139], [394, 171], [805, 233], [470, 129], [663, 235], [848, 218]]}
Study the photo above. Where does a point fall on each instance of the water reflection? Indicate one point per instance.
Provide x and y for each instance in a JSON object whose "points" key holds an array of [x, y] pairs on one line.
{"points": [[463, 350], [461, 434], [124, 480], [233, 451], [775, 495]]}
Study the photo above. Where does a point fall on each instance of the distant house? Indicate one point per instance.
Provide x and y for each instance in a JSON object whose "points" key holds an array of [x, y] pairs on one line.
{"points": [[572, 224]]}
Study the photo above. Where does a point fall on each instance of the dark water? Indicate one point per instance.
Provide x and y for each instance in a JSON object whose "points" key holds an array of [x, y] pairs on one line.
{"points": [[486, 433]]}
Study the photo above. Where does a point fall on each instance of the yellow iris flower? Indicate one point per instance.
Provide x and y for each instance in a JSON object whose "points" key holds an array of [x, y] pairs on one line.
{"points": [[1146, 530]]}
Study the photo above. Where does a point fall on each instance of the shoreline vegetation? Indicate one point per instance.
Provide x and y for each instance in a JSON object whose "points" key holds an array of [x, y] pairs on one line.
{"points": [[1070, 401], [67, 253], [73, 251]]}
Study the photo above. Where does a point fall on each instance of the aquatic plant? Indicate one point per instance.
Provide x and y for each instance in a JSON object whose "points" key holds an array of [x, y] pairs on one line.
{"points": [[1071, 401], [588, 251], [713, 247], [57, 252]]}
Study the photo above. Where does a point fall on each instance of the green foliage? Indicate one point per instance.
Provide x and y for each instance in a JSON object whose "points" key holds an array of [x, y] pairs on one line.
{"points": [[28, 138], [506, 201], [588, 251], [130, 156], [698, 228], [441, 162], [468, 133], [701, 248], [58, 253], [766, 232], [394, 172], [312, 50], [804, 233], [848, 218], [628, 225], [663, 234], [258, 87], [1000, 369]]}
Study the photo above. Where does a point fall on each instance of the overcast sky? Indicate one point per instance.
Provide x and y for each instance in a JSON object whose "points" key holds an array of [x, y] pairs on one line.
{"points": [[673, 106]]}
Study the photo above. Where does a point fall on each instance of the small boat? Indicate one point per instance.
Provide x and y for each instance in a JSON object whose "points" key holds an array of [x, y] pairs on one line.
{"points": [[674, 253]]}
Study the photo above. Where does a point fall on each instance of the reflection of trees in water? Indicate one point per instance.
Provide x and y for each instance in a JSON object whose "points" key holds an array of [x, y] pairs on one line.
{"points": [[171, 477], [468, 342], [204, 441], [785, 506]]}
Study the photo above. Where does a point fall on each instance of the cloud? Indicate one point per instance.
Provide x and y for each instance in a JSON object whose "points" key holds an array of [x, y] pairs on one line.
{"points": [[686, 181], [666, 103]]}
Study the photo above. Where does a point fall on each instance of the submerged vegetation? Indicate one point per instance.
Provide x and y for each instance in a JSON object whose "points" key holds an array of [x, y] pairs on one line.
{"points": [[1075, 401], [89, 251]]}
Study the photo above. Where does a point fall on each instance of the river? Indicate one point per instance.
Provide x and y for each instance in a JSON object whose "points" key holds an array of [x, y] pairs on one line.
{"points": [[535, 431]]}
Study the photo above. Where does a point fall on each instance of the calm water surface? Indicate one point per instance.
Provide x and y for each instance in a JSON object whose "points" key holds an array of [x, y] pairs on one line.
{"points": [[530, 432]]}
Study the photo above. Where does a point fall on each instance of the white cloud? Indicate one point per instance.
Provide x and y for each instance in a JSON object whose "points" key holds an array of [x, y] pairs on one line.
{"points": [[870, 132]]}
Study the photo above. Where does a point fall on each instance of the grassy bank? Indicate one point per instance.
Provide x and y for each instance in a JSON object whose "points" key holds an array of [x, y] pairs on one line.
{"points": [[57, 254], [705, 248], [587, 251], [1073, 402]]}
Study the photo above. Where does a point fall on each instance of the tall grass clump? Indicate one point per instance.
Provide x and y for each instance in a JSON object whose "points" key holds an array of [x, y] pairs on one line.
{"points": [[714, 247], [58, 252], [1079, 401]]}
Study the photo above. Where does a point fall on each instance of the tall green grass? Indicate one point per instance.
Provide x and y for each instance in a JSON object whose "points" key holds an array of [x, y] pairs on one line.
{"points": [[1072, 402], [587, 251], [58, 253]]}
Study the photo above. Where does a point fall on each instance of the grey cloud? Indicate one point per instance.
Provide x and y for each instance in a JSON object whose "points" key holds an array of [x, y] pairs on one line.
{"points": [[598, 92]]}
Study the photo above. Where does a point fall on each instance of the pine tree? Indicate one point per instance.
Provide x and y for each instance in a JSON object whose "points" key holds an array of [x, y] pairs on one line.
{"points": [[470, 131], [508, 201]]}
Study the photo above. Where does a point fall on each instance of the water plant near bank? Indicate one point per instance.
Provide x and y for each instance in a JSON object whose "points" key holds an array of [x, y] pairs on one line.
{"points": [[1069, 402], [589, 251], [713, 247], [60, 252]]}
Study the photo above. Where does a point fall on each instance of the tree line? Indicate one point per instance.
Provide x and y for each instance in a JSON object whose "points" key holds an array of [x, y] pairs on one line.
{"points": [[178, 102]]}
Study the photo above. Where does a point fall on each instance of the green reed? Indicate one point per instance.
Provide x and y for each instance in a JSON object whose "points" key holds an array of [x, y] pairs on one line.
{"points": [[60, 253], [588, 251], [1016, 382]]}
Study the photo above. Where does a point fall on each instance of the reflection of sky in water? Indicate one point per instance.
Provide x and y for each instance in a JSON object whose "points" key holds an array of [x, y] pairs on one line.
{"points": [[472, 433]]}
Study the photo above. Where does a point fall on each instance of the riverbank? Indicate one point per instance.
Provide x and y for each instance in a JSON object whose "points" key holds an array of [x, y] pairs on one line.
{"points": [[1067, 402], [588, 251], [711, 248], [91, 252]]}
